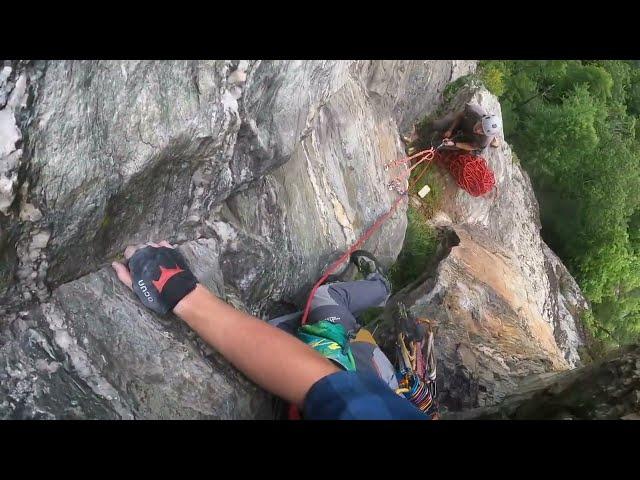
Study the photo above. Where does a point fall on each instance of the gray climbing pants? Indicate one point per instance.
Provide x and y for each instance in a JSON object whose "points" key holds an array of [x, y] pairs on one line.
{"points": [[340, 303]]}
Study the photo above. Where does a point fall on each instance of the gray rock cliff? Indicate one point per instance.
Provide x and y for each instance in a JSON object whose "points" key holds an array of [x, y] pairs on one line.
{"points": [[505, 307], [262, 171]]}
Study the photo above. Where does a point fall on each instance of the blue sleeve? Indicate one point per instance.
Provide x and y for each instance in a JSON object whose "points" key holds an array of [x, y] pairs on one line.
{"points": [[357, 396]]}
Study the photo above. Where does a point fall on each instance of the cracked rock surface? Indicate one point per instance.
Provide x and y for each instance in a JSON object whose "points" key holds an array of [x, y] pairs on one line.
{"points": [[505, 307], [263, 172]]}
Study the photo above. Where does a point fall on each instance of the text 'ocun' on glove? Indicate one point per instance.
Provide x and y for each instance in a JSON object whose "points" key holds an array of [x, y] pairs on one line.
{"points": [[161, 277]]}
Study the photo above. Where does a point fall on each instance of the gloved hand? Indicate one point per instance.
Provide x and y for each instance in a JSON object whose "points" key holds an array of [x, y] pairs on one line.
{"points": [[158, 274]]}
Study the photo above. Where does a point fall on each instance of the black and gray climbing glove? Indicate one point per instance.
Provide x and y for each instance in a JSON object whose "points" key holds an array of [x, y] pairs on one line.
{"points": [[161, 277]]}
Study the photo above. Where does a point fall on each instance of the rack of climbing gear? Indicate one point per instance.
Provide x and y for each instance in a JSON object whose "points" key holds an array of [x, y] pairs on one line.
{"points": [[417, 373]]}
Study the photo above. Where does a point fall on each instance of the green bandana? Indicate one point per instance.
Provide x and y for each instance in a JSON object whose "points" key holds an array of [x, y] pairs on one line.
{"points": [[331, 340]]}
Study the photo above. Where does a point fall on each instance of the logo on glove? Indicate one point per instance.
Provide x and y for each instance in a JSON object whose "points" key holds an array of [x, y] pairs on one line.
{"points": [[145, 291], [165, 275]]}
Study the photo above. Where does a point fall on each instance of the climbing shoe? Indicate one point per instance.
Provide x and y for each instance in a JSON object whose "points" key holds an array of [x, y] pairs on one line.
{"points": [[345, 275], [367, 264]]}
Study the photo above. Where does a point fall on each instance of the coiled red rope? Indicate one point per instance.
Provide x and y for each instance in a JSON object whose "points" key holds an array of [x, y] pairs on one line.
{"points": [[471, 173]]}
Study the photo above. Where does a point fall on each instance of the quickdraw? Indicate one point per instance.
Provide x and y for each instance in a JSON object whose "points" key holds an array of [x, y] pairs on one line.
{"points": [[427, 155], [417, 375]]}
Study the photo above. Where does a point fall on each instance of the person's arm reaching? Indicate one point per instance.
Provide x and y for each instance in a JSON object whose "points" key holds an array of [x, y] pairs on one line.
{"points": [[456, 121], [465, 146], [461, 145], [275, 360]]}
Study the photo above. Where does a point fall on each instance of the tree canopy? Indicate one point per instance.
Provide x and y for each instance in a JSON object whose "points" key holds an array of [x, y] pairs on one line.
{"points": [[574, 125]]}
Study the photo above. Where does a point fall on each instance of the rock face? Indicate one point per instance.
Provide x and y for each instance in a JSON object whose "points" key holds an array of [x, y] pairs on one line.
{"points": [[93, 351], [262, 171], [505, 306], [606, 390]]}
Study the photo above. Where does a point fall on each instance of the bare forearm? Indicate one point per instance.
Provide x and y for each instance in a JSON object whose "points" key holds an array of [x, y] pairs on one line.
{"points": [[465, 146], [456, 122], [273, 359]]}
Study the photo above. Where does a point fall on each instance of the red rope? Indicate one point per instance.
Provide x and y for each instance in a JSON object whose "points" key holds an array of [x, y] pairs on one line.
{"points": [[421, 174], [426, 155], [334, 266], [471, 173], [395, 163]]}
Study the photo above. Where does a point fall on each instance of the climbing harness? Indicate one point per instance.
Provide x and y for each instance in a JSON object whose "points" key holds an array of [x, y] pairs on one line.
{"points": [[417, 376]]}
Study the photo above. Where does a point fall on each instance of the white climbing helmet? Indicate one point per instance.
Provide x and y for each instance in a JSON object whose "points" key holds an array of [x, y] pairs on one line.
{"points": [[491, 124]]}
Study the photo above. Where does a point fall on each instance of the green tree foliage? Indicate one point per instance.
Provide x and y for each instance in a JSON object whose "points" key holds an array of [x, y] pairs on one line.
{"points": [[493, 77], [575, 126]]}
